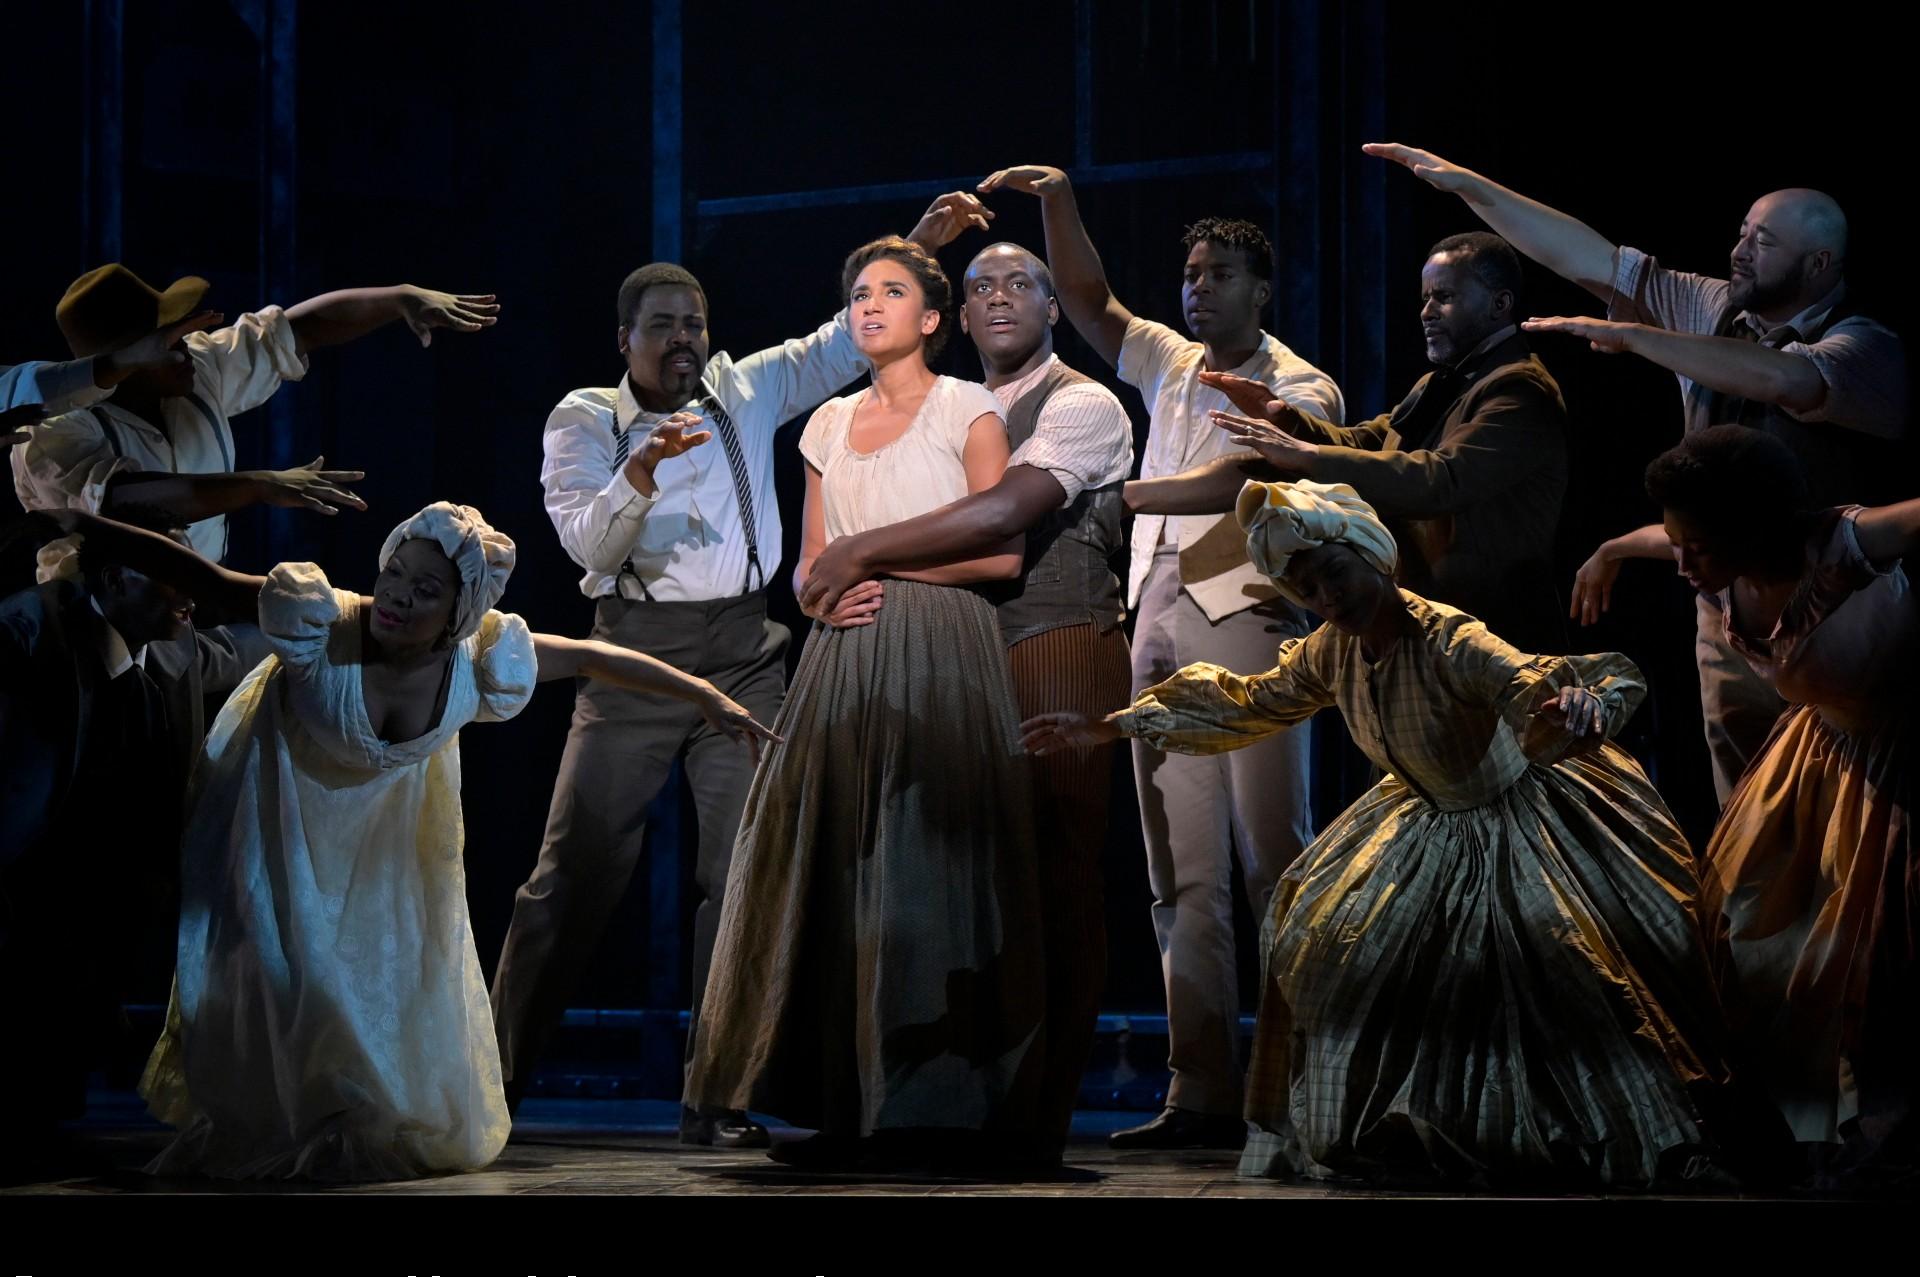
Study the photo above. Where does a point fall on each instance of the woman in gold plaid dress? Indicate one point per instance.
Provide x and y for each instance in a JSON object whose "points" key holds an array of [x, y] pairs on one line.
{"points": [[1489, 968]]}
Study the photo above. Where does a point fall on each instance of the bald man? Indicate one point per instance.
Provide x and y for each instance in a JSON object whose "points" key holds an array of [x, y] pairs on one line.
{"points": [[1776, 346]]}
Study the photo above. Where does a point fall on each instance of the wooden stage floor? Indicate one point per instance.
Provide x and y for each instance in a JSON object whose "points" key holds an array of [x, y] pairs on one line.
{"points": [[628, 1148]]}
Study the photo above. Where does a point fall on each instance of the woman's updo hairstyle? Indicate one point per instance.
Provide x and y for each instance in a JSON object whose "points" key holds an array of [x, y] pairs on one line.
{"points": [[934, 285]]}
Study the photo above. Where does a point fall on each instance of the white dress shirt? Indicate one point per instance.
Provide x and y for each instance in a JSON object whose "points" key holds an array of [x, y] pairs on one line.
{"points": [[686, 542], [1166, 367], [1082, 436], [70, 459]]}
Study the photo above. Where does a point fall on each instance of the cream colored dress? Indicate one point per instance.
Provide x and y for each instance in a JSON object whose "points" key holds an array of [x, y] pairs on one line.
{"points": [[329, 1018]]}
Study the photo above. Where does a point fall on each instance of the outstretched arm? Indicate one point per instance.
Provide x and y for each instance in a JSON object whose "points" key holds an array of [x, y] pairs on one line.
{"points": [[47, 389], [1593, 583], [559, 657], [164, 559], [1203, 708], [202, 496], [1211, 488], [333, 319], [1078, 278], [1564, 245], [1889, 532], [1725, 364]]}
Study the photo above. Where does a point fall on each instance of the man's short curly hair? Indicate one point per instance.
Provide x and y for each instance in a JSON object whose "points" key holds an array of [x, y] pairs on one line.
{"points": [[1227, 232]]}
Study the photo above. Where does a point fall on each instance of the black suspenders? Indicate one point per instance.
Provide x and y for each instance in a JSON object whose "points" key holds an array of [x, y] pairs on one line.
{"points": [[736, 467]]}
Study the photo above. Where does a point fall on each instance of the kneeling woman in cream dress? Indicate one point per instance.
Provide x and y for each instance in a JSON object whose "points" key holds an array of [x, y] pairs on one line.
{"points": [[1489, 968], [329, 1019]]}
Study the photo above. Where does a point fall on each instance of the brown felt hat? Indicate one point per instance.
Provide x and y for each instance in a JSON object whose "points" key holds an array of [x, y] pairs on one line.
{"points": [[107, 308]]}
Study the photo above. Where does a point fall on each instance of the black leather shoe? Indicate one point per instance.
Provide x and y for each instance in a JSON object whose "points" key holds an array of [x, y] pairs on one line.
{"points": [[728, 1128], [818, 1153], [1183, 1128]]}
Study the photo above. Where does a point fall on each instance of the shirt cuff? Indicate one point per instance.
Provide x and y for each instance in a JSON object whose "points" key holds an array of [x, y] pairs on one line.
{"points": [[1132, 721], [275, 333], [1071, 481], [1134, 346], [624, 498], [93, 492]]}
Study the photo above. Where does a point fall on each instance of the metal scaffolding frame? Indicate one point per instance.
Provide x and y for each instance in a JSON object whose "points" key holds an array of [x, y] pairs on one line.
{"points": [[1329, 64], [1327, 218]]}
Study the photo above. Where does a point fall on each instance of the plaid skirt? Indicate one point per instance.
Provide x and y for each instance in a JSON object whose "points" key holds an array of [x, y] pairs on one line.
{"points": [[1518, 991]]}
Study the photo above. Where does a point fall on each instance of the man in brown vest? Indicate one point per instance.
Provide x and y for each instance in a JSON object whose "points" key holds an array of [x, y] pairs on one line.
{"points": [[1776, 346], [1072, 450]]}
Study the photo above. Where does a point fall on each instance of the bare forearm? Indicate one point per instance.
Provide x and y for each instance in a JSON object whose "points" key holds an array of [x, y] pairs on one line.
{"points": [[1002, 566], [970, 528], [335, 318], [191, 496], [1733, 367], [569, 658], [1078, 276], [1649, 542], [1889, 532], [166, 560], [1565, 245], [1208, 489], [1079, 279]]}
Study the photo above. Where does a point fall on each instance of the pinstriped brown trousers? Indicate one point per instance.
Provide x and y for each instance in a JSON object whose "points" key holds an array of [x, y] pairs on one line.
{"points": [[1074, 668]]}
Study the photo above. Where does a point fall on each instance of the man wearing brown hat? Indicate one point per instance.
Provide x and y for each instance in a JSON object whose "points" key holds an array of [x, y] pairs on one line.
{"points": [[165, 438]]}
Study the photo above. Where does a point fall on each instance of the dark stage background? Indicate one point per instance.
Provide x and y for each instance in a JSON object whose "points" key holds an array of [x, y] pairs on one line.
{"points": [[282, 148]]}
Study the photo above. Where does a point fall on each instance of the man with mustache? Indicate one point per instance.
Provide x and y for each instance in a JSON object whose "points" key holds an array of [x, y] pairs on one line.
{"points": [[677, 542], [1777, 346], [1468, 470]]}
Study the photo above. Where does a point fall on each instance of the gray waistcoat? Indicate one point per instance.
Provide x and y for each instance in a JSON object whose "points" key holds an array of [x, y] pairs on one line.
{"points": [[1069, 578]]}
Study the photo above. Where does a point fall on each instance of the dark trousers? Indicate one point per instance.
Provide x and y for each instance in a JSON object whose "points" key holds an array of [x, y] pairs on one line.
{"points": [[1075, 668], [620, 749]]}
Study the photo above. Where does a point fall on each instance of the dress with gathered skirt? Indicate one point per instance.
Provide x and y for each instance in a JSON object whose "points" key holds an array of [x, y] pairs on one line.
{"points": [[329, 1019], [877, 966], [1810, 876], [1490, 968]]}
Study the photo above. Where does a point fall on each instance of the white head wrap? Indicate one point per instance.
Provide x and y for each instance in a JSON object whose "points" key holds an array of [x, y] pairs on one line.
{"points": [[58, 560], [482, 556], [1282, 519]]}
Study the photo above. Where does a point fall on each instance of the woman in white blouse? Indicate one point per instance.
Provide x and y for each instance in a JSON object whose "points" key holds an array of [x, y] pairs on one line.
{"points": [[876, 976]]}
